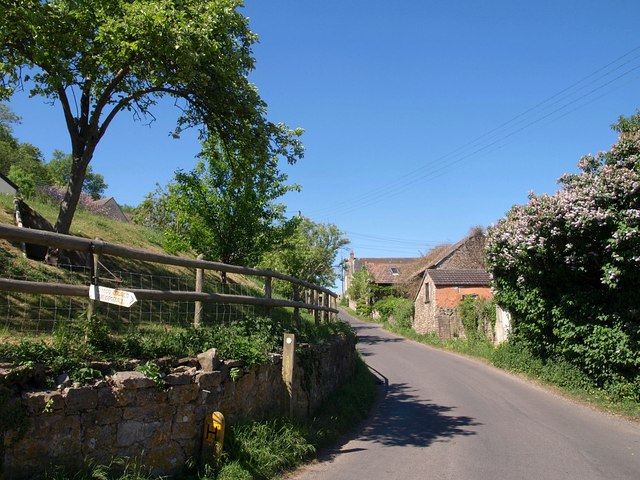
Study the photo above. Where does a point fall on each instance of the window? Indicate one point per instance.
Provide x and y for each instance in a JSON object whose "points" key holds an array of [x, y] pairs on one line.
{"points": [[395, 271], [427, 297]]}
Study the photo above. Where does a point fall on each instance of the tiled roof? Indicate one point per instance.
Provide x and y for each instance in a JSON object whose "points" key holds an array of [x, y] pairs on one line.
{"points": [[380, 269], [102, 201], [444, 278]]}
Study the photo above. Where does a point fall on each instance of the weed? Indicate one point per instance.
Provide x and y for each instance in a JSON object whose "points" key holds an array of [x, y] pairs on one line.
{"points": [[48, 406], [266, 448], [151, 370], [85, 375], [234, 373]]}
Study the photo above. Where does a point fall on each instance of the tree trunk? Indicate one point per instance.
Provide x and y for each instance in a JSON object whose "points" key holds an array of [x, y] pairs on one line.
{"points": [[71, 198]]}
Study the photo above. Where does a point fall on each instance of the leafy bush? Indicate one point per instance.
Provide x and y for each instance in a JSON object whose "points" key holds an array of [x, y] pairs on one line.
{"points": [[566, 265], [396, 310], [478, 317]]}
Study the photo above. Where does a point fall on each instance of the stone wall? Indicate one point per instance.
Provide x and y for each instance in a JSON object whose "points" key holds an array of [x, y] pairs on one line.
{"points": [[128, 415], [439, 314]]}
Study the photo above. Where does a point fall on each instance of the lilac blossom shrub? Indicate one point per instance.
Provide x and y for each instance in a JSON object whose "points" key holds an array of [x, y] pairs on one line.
{"points": [[567, 265], [55, 195]]}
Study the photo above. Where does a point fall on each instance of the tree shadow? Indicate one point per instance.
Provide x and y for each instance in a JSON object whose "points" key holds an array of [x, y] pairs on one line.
{"points": [[367, 336], [404, 419]]}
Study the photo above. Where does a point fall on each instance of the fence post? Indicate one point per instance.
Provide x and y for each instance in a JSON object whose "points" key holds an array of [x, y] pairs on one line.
{"points": [[316, 302], [332, 304], [288, 366], [267, 292], [16, 205], [323, 313], [296, 310], [327, 303], [94, 263], [197, 315]]}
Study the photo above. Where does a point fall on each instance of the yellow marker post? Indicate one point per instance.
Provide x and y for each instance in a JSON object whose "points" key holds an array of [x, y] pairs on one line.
{"points": [[213, 437]]}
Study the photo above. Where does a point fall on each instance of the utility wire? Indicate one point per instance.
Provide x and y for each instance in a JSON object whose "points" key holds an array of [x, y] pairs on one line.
{"points": [[399, 184]]}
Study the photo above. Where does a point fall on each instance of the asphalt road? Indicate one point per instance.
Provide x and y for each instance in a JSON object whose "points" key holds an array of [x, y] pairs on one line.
{"points": [[444, 416]]}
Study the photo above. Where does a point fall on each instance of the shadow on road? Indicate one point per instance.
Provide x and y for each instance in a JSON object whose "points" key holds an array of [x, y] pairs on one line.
{"points": [[403, 419], [368, 335]]}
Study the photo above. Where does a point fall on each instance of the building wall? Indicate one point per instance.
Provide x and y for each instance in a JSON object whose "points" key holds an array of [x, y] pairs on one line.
{"points": [[440, 315], [424, 319]]}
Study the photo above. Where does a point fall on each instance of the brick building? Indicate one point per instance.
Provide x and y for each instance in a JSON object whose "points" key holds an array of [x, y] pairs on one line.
{"points": [[441, 282]]}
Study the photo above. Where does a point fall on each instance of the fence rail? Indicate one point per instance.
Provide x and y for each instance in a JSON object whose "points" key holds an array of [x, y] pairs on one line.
{"points": [[320, 300]]}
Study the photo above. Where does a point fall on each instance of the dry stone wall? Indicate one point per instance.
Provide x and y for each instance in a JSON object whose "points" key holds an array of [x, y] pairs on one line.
{"points": [[129, 415]]}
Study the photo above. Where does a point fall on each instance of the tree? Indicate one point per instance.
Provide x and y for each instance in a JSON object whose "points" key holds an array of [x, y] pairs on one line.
{"points": [[225, 209], [98, 58], [22, 162], [59, 168], [566, 265], [309, 254], [361, 290], [153, 211]]}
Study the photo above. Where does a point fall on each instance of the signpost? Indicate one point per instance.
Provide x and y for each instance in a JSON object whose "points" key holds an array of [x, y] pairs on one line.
{"points": [[112, 295]]}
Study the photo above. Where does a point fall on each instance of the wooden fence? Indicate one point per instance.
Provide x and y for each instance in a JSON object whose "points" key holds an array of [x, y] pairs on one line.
{"points": [[305, 295]]}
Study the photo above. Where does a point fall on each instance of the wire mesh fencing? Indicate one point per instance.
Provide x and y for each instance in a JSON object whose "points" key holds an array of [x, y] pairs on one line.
{"points": [[42, 313], [37, 298]]}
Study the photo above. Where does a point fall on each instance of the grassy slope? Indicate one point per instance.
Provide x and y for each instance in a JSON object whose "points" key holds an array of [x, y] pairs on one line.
{"points": [[88, 225]]}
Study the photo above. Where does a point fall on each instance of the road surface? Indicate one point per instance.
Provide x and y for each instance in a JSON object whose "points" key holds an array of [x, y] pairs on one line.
{"points": [[444, 416]]}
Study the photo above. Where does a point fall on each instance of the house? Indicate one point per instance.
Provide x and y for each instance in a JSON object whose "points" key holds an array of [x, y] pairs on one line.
{"points": [[7, 186], [111, 209], [383, 272], [441, 282]]}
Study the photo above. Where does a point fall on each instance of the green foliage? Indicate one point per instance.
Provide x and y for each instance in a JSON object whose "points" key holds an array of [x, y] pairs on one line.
{"points": [[151, 370], [308, 253], [96, 59], [565, 265], [234, 471], [86, 375], [59, 168], [266, 448], [153, 211], [225, 208], [478, 317], [24, 179], [395, 310], [361, 290]]}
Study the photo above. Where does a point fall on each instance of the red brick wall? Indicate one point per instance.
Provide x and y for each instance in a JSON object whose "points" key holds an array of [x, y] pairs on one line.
{"points": [[449, 297]]}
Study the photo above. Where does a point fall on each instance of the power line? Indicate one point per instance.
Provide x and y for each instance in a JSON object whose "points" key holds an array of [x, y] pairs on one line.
{"points": [[479, 143]]}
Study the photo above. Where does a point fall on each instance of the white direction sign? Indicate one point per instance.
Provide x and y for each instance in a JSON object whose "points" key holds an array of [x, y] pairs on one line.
{"points": [[112, 295]]}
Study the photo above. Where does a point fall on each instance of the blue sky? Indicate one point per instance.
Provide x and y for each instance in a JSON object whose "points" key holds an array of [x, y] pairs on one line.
{"points": [[422, 118]]}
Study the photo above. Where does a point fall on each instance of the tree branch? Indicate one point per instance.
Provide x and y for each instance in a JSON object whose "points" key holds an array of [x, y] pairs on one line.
{"points": [[139, 94]]}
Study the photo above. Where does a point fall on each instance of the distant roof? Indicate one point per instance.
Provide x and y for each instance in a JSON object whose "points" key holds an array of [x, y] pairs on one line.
{"points": [[383, 270], [103, 201], [444, 278]]}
